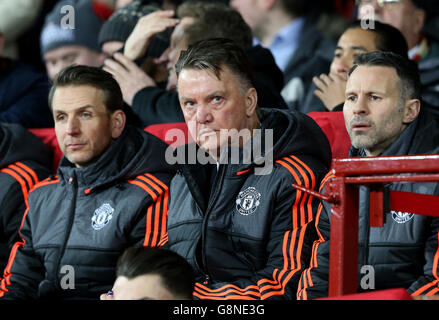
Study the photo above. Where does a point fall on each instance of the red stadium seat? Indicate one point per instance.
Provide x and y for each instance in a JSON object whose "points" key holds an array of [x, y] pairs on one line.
{"points": [[332, 124], [173, 134]]}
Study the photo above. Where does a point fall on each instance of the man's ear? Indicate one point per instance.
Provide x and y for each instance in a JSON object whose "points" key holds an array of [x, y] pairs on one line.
{"points": [[251, 101], [118, 121], [419, 21], [411, 110]]}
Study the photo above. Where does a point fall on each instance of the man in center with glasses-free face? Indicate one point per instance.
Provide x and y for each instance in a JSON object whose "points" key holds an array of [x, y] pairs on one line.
{"points": [[411, 17]]}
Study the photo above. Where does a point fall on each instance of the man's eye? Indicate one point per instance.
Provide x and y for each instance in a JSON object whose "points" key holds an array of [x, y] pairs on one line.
{"points": [[217, 99], [351, 98], [70, 58], [60, 117], [86, 114], [375, 98], [189, 104], [338, 55]]}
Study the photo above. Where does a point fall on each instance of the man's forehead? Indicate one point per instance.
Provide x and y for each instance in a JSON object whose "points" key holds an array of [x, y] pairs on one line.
{"points": [[76, 97], [379, 77], [63, 51]]}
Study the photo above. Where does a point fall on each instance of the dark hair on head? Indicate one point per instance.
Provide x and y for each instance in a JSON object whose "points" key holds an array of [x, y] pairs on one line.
{"points": [[297, 8], [406, 69], [215, 20], [388, 38], [79, 75], [214, 54], [176, 273]]}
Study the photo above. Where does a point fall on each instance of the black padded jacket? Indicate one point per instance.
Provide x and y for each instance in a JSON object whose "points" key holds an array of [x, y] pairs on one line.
{"points": [[78, 223], [249, 233], [403, 253]]}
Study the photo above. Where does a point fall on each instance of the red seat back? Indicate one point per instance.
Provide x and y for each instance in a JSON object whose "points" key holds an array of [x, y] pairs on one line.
{"points": [[174, 134], [332, 124]]}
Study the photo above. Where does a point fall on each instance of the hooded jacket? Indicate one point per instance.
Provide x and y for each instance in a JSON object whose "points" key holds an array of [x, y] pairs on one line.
{"points": [[78, 223], [248, 233], [156, 105], [24, 161], [403, 253]]}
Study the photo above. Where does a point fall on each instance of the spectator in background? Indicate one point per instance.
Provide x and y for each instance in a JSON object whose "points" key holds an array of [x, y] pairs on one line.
{"points": [[23, 94], [111, 193], [328, 90], [289, 31], [152, 274], [71, 37], [24, 161], [116, 30], [121, 24], [384, 117], [234, 214], [411, 17], [202, 20]]}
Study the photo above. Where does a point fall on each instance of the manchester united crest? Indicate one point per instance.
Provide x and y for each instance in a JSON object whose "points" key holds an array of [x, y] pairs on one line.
{"points": [[401, 217], [248, 201], [102, 216]]}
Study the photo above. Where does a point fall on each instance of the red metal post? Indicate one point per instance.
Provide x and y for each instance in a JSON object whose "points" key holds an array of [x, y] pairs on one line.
{"points": [[343, 259], [376, 205], [350, 173]]}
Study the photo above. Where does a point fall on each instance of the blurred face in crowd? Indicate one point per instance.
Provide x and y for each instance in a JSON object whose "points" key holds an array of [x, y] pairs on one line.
{"points": [[210, 104], [375, 112], [172, 53], [144, 287], [352, 43], [62, 57], [401, 14], [253, 12], [83, 125]]}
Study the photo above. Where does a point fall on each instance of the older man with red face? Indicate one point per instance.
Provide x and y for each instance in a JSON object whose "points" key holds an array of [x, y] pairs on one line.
{"points": [[111, 192], [383, 116], [234, 214]]}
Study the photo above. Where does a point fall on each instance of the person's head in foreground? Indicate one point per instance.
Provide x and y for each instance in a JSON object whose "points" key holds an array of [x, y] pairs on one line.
{"points": [[146, 273], [382, 99]]}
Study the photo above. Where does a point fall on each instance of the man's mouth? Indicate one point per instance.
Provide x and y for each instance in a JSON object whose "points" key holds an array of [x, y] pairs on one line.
{"points": [[75, 146], [360, 126]]}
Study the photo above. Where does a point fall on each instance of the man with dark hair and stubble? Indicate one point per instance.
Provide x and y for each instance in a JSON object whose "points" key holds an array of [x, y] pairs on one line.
{"points": [[110, 193], [152, 274], [384, 117], [234, 214]]}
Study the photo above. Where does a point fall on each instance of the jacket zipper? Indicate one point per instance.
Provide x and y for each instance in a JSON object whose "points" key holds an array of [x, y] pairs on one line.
{"points": [[74, 186], [219, 180]]}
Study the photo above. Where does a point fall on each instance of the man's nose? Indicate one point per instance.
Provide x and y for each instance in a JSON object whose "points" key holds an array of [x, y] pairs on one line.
{"points": [[360, 106], [204, 115], [72, 127]]}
